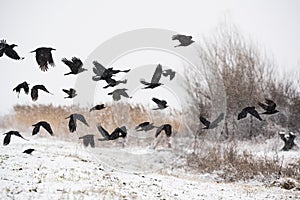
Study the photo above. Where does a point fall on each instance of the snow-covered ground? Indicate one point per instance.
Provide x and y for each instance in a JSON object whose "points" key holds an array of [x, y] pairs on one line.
{"points": [[66, 170]]}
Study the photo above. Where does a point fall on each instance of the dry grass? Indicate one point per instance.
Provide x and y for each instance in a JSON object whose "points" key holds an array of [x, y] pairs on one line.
{"points": [[233, 166]]}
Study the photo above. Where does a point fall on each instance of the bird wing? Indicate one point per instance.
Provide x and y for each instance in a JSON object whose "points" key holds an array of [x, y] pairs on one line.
{"points": [[204, 121], [25, 87], [141, 125], [2, 47], [254, 113], [158, 130], [41, 87], [47, 127], [81, 118], [271, 104], [157, 74], [264, 106], [103, 132], [144, 82], [282, 136], [72, 124], [36, 129], [218, 120], [123, 93], [16, 133], [77, 62], [34, 93], [157, 101], [6, 140], [12, 53], [242, 114], [18, 88], [176, 37], [66, 91], [98, 69], [69, 63], [48, 56]]}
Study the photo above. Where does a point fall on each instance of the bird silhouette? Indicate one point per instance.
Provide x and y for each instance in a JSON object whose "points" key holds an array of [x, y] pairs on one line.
{"points": [[88, 140], [118, 132], [24, 86], [73, 121], [97, 107], [145, 126], [43, 124], [101, 73], [213, 124], [75, 65], [162, 104], [8, 135], [116, 94], [43, 57], [251, 111], [34, 91], [183, 39], [165, 127], [113, 83], [9, 51], [71, 93], [269, 107], [170, 73], [288, 140], [28, 151], [155, 78]]}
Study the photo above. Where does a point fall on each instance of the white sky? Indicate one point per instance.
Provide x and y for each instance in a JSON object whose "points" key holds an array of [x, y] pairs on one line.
{"points": [[76, 28]]}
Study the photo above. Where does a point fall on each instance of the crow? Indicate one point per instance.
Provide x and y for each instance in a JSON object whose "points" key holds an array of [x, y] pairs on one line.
{"points": [[288, 140], [145, 126], [97, 107], [34, 91], [23, 85], [43, 57], [6, 140], [9, 51], [101, 73], [28, 151], [73, 120], [155, 78], [75, 65], [71, 93], [250, 110], [269, 107], [165, 127], [88, 140], [183, 39], [118, 132], [113, 83], [162, 104], [211, 125], [169, 72], [44, 124], [116, 94]]}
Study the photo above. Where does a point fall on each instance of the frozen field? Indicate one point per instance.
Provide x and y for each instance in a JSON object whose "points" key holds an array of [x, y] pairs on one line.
{"points": [[66, 170]]}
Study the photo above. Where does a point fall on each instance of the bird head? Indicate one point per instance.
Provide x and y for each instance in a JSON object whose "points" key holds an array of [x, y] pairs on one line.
{"points": [[13, 45]]}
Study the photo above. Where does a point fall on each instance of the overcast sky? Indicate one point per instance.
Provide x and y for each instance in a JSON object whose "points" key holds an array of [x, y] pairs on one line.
{"points": [[76, 28]]}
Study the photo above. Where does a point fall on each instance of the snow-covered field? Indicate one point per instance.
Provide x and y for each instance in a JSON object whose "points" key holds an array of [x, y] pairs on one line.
{"points": [[66, 170]]}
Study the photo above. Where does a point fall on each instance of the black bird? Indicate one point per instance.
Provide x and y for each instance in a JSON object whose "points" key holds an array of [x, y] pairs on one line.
{"points": [[183, 39], [250, 110], [101, 73], [34, 91], [43, 57], [75, 65], [9, 51], [269, 107], [165, 127], [288, 140], [73, 120], [97, 107], [211, 125], [71, 93], [162, 104], [155, 78], [169, 72], [23, 85], [114, 83], [118, 132], [88, 140], [145, 126], [28, 151], [116, 94], [44, 124], [6, 140]]}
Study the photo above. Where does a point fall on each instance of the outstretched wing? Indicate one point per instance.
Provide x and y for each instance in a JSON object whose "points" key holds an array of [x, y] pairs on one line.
{"points": [[98, 69], [6, 140], [35, 130], [157, 101], [204, 121], [254, 113], [271, 104], [141, 125], [41, 87], [158, 130], [66, 91], [77, 62], [282, 136], [264, 106], [16, 133], [103, 132], [81, 118], [69, 63], [157, 74], [12, 53], [47, 127], [144, 82], [218, 120]]}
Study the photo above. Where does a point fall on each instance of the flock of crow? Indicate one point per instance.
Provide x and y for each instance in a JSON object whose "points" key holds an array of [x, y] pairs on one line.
{"points": [[44, 59]]}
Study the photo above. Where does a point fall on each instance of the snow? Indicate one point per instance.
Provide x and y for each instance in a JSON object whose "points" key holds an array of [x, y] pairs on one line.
{"points": [[66, 170]]}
